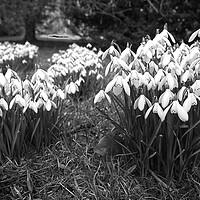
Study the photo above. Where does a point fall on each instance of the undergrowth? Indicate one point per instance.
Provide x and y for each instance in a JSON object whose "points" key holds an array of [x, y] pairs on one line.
{"points": [[69, 169]]}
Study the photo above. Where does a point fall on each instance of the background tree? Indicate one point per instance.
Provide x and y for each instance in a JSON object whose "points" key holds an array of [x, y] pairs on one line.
{"points": [[18, 16], [124, 21], [130, 20]]}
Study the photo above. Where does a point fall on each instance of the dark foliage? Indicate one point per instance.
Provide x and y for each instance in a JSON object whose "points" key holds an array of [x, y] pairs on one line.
{"points": [[133, 19], [104, 20]]}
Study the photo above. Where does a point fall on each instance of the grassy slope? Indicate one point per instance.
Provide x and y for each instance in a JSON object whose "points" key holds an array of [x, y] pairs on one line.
{"points": [[69, 169]]}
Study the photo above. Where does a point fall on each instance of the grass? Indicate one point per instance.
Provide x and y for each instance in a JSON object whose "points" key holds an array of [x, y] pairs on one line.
{"points": [[69, 168]]}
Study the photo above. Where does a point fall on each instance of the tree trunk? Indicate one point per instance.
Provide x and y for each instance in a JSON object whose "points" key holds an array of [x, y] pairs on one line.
{"points": [[30, 26]]}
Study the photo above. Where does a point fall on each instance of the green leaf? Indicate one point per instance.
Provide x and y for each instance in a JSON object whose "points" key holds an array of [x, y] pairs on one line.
{"points": [[3, 146], [15, 137], [192, 127], [35, 128]]}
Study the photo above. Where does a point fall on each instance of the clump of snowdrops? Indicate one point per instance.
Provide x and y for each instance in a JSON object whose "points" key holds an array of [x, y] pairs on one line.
{"points": [[29, 112], [78, 69], [18, 56], [155, 94]]}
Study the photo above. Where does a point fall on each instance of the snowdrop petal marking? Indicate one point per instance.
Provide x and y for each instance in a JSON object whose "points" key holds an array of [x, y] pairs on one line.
{"points": [[117, 89]]}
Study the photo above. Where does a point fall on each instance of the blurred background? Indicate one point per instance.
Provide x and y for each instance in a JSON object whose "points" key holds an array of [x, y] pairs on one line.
{"points": [[97, 20]]}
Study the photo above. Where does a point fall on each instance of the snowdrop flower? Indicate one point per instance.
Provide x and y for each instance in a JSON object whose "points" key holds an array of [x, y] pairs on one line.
{"points": [[194, 54], [137, 65], [27, 85], [3, 80], [42, 100], [174, 67], [99, 76], [165, 33], [3, 104], [176, 108], [153, 67], [16, 86], [148, 80], [155, 108], [182, 93], [11, 74], [190, 101], [194, 35], [79, 81], [135, 78], [148, 51], [195, 65], [159, 76], [159, 52], [117, 85], [42, 94], [91, 72], [139, 50], [196, 87], [184, 63], [187, 75], [177, 54], [17, 99], [111, 51], [140, 102], [59, 93], [45, 104], [116, 63], [71, 88], [101, 95], [127, 55], [32, 105], [27, 89], [160, 38], [169, 81], [166, 58], [40, 75], [38, 86], [165, 98]]}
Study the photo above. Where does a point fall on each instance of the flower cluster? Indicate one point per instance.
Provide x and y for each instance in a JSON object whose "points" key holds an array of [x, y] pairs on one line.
{"points": [[80, 67], [33, 94], [155, 94], [13, 54], [29, 110], [160, 69]]}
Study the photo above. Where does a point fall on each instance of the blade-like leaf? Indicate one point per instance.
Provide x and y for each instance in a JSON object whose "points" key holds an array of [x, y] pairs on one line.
{"points": [[192, 37], [35, 128]]}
